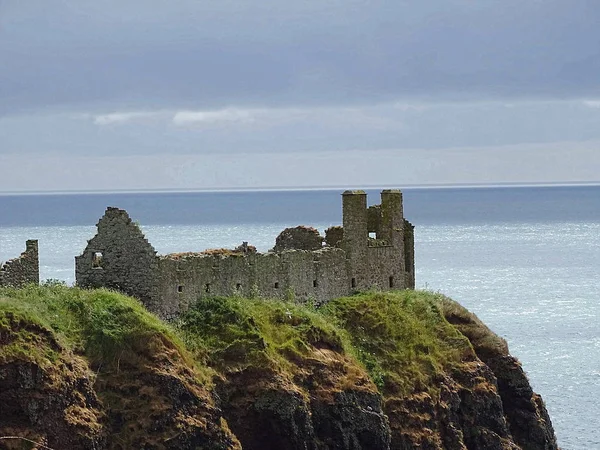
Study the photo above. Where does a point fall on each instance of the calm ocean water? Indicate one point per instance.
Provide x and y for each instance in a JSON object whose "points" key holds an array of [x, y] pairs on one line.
{"points": [[525, 260]]}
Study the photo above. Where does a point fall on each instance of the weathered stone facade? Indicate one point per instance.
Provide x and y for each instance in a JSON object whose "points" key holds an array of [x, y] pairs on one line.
{"points": [[304, 265], [25, 269], [119, 257]]}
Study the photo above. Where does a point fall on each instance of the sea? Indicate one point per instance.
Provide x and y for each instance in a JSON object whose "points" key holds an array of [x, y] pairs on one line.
{"points": [[526, 260]]}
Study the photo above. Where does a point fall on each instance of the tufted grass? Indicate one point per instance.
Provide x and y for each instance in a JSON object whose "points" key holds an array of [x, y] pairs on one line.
{"points": [[401, 338], [99, 324], [235, 333]]}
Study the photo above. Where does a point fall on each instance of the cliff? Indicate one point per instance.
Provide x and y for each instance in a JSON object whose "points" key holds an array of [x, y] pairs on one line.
{"points": [[93, 370]]}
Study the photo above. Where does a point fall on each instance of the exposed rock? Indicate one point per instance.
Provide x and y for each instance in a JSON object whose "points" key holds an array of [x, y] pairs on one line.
{"points": [[353, 420], [51, 402], [526, 414], [318, 409], [153, 400], [148, 399]]}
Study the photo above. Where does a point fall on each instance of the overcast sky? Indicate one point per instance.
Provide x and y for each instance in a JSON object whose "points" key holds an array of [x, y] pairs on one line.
{"points": [[187, 94]]}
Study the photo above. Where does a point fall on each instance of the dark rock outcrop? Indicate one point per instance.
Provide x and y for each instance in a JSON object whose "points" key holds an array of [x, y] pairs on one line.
{"points": [[528, 420], [46, 401], [148, 399], [329, 404]]}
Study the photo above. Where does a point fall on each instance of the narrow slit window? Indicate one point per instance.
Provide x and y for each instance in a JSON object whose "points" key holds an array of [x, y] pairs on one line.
{"points": [[315, 283], [391, 282], [407, 261], [97, 260], [207, 287], [353, 282], [276, 285]]}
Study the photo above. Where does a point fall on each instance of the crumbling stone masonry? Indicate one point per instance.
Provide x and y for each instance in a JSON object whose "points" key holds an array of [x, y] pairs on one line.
{"points": [[373, 250], [25, 269]]}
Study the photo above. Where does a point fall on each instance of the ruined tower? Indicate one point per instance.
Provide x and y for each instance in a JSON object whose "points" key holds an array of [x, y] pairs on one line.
{"points": [[376, 241]]}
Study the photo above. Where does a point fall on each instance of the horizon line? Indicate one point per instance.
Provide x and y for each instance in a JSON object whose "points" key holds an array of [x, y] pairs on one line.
{"points": [[306, 188]]}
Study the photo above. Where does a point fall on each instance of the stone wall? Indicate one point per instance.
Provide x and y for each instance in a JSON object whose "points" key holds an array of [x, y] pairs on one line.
{"points": [[119, 257], [25, 269], [303, 266], [294, 274]]}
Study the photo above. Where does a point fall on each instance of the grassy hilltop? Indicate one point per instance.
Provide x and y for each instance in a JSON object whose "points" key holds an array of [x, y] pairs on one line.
{"points": [[94, 369]]}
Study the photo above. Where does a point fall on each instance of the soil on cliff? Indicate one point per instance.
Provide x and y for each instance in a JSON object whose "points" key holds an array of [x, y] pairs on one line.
{"points": [[406, 370]]}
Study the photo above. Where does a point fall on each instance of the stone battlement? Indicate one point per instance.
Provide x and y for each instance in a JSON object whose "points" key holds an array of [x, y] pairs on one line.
{"points": [[374, 249]]}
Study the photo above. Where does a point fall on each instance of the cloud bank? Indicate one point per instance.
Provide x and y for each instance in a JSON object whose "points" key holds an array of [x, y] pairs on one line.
{"points": [[108, 81]]}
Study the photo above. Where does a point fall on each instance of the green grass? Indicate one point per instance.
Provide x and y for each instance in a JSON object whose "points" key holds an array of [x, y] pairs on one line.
{"points": [[401, 338], [235, 333], [99, 324]]}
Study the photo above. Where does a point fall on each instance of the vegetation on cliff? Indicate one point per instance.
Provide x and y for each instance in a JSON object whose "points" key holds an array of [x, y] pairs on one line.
{"points": [[99, 324], [93, 369], [401, 338]]}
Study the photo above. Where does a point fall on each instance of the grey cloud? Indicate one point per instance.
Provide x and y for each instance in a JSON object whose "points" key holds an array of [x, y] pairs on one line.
{"points": [[203, 55], [564, 162], [109, 94], [302, 129]]}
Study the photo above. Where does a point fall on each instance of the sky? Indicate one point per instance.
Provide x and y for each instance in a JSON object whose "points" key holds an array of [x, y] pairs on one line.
{"points": [[232, 94]]}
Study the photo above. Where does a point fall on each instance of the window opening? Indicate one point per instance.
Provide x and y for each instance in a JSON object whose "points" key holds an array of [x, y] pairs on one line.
{"points": [[97, 260], [180, 288], [276, 285], [391, 282], [353, 282]]}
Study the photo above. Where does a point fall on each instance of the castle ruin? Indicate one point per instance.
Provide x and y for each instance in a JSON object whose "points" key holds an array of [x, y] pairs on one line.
{"points": [[374, 249], [22, 270]]}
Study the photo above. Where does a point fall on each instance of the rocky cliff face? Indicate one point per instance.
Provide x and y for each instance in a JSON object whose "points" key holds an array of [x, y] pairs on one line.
{"points": [[244, 374], [526, 416], [55, 398]]}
